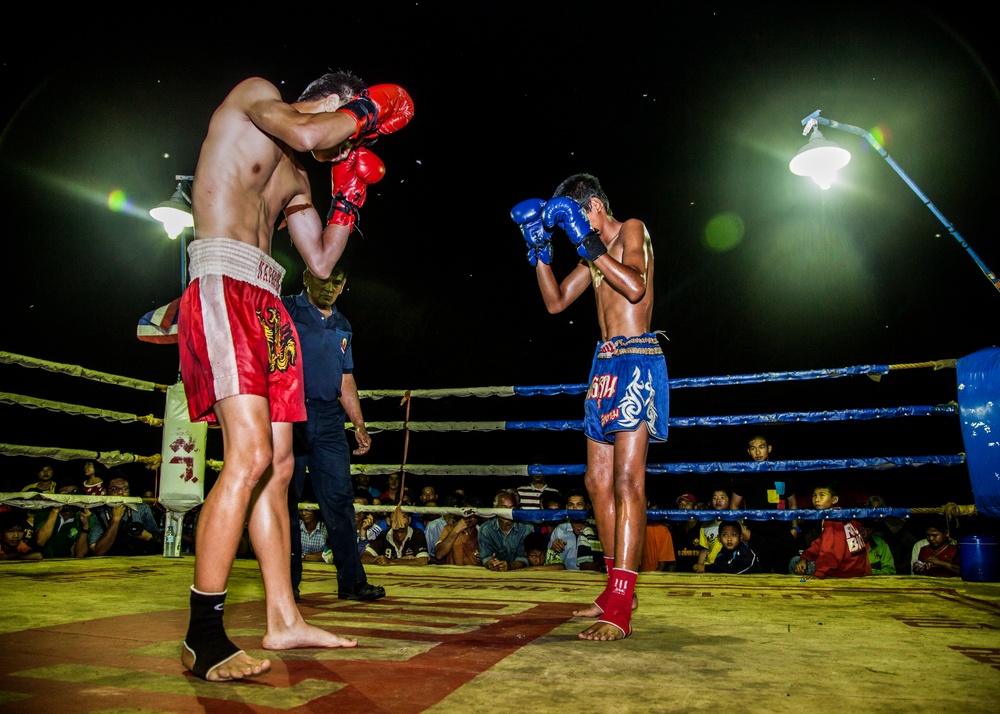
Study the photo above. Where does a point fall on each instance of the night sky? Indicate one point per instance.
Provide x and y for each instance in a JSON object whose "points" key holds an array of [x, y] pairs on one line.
{"points": [[686, 116]]}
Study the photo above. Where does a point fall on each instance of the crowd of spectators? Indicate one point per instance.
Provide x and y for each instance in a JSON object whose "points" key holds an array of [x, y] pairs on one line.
{"points": [[709, 540]]}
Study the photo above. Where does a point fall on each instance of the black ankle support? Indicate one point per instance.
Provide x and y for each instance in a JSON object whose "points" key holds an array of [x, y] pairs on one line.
{"points": [[206, 637]]}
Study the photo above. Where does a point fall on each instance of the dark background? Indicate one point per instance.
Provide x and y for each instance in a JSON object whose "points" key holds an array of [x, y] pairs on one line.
{"points": [[685, 111]]}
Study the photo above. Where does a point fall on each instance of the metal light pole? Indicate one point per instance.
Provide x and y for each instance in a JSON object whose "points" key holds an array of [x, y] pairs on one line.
{"points": [[820, 159], [181, 477]]}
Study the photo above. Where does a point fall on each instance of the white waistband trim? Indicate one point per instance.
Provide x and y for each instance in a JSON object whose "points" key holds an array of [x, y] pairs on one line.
{"points": [[237, 260]]}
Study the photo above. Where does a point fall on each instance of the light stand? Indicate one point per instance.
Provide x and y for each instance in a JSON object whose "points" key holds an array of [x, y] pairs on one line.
{"points": [[820, 159]]}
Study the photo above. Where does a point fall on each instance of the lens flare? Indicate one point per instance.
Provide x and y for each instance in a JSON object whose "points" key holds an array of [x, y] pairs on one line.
{"points": [[723, 232], [118, 201]]}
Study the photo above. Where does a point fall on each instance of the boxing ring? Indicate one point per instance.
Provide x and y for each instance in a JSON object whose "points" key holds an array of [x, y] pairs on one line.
{"points": [[183, 459], [447, 638]]}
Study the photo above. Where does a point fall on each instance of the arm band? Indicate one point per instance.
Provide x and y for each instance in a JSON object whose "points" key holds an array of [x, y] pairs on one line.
{"points": [[292, 210]]}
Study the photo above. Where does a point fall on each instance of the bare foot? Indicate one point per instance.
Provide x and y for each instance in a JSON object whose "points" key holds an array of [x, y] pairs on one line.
{"points": [[595, 611], [303, 635], [238, 666], [602, 632]]}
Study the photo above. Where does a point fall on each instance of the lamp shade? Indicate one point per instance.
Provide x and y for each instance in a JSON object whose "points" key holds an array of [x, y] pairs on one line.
{"points": [[820, 160], [174, 213]]}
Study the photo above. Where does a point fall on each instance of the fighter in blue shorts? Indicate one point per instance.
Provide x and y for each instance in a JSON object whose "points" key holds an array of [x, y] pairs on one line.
{"points": [[628, 389], [627, 402]]}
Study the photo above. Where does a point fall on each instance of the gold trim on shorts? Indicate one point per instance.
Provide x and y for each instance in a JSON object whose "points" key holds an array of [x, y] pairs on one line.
{"points": [[631, 346]]}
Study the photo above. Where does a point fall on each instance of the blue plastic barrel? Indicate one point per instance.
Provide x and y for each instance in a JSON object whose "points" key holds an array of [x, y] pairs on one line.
{"points": [[979, 558]]}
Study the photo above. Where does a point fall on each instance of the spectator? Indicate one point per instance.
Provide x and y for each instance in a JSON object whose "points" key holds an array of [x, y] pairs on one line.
{"points": [[573, 539], [93, 483], [120, 530], [503, 538], [363, 521], [735, 557], [159, 515], [685, 534], [529, 496], [708, 534], [540, 555], [13, 525], [896, 532], [383, 525], [775, 542], [658, 546], [62, 531], [364, 481], [940, 557], [314, 535], [434, 527], [879, 555], [391, 493], [458, 543], [840, 551], [428, 493], [551, 501], [759, 450], [45, 483], [398, 546]]}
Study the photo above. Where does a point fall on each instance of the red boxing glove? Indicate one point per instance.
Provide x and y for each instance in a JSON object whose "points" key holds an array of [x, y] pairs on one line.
{"points": [[350, 179], [381, 109]]}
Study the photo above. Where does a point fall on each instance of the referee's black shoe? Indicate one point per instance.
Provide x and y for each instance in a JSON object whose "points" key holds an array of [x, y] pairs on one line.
{"points": [[362, 591]]}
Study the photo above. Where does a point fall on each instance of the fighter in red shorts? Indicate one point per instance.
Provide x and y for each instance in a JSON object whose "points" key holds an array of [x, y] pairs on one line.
{"points": [[627, 399], [239, 350]]}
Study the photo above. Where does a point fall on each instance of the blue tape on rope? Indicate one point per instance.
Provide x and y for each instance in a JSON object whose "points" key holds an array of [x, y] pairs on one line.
{"points": [[837, 514], [743, 419], [884, 462], [552, 389]]}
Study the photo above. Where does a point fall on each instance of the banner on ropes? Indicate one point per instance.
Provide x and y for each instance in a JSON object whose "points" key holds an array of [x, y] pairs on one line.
{"points": [[160, 325], [979, 409], [182, 473]]}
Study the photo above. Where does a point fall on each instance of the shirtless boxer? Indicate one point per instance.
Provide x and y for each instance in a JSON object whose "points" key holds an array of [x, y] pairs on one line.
{"points": [[239, 351], [627, 402]]}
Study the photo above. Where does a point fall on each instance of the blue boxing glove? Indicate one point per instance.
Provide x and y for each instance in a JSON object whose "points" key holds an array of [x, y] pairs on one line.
{"points": [[528, 216], [566, 213]]}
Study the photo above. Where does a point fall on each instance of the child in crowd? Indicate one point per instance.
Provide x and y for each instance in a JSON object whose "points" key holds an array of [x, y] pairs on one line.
{"points": [[940, 557], [840, 551], [540, 555], [708, 543], [880, 555], [734, 557], [13, 546]]}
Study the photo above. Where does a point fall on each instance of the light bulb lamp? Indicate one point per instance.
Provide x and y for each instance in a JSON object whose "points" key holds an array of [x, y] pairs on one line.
{"points": [[820, 159], [175, 215]]}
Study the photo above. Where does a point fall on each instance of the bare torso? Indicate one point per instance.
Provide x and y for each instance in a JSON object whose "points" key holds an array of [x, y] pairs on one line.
{"points": [[244, 176], [616, 315]]}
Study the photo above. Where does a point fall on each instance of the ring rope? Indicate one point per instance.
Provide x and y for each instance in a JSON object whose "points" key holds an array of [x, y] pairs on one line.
{"points": [[708, 467], [873, 371], [74, 409], [77, 371], [106, 458], [681, 422]]}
